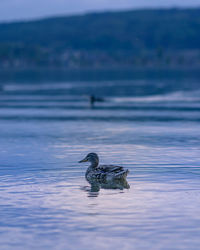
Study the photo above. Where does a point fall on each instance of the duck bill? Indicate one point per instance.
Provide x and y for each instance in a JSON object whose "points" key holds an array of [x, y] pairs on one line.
{"points": [[84, 160]]}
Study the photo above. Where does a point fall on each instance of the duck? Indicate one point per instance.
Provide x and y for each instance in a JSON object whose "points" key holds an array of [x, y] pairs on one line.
{"points": [[103, 173], [94, 99]]}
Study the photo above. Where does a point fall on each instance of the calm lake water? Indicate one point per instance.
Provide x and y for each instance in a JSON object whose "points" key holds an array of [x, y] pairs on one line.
{"points": [[149, 123]]}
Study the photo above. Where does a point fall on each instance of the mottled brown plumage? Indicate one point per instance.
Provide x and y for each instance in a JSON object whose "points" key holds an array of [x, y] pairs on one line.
{"points": [[103, 172]]}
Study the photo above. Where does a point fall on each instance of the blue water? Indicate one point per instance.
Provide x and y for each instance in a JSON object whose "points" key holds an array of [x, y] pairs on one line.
{"points": [[150, 126]]}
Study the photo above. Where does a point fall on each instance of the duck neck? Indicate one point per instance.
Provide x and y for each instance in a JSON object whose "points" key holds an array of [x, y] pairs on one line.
{"points": [[94, 164]]}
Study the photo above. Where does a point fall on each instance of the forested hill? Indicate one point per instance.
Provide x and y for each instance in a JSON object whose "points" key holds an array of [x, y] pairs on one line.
{"points": [[131, 37]]}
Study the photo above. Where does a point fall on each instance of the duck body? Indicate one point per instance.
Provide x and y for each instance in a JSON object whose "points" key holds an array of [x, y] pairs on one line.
{"points": [[103, 173], [106, 173]]}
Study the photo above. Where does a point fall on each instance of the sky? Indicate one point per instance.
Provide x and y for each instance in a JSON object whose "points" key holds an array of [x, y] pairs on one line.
{"points": [[33, 9]]}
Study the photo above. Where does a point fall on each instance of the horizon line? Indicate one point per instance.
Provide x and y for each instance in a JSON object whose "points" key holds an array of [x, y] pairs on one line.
{"points": [[91, 12]]}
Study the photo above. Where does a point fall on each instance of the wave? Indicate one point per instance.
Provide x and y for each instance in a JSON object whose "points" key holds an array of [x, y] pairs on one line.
{"points": [[178, 96]]}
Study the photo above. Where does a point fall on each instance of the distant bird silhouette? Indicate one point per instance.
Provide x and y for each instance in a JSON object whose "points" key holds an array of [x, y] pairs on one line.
{"points": [[94, 99]]}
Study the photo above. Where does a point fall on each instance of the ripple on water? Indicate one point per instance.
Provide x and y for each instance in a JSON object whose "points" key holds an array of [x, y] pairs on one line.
{"points": [[45, 200]]}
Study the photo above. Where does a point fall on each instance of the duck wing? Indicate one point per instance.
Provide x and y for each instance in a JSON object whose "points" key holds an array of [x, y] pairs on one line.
{"points": [[110, 169]]}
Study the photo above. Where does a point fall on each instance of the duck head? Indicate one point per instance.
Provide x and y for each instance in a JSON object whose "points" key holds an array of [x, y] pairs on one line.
{"points": [[92, 158]]}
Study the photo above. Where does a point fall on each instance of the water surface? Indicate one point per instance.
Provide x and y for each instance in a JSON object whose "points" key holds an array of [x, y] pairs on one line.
{"points": [[149, 125]]}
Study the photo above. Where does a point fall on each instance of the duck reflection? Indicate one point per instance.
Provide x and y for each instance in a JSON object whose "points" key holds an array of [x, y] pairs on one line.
{"points": [[96, 185]]}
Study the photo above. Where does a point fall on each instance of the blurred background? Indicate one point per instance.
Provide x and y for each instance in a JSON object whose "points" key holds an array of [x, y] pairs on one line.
{"points": [[119, 78], [153, 37]]}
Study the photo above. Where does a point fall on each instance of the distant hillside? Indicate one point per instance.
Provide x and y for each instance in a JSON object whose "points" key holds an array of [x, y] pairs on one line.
{"points": [[142, 37]]}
